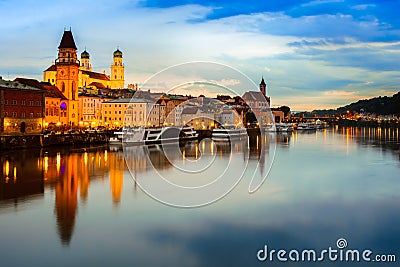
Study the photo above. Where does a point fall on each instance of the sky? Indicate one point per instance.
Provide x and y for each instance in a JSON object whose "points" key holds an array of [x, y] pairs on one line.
{"points": [[312, 54]]}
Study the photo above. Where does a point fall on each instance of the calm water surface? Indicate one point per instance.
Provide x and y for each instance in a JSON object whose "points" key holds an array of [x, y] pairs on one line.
{"points": [[81, 207]]}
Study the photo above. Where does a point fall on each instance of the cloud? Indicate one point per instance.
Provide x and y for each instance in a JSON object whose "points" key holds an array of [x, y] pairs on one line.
{"points": [[302, 48], [363, 6], [321, 2]]}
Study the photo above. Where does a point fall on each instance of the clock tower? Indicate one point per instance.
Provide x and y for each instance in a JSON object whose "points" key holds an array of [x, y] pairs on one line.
{"points": [[67, 68]]}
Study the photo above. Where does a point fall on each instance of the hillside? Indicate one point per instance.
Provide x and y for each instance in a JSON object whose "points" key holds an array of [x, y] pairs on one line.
{"points": [[385, 105]]}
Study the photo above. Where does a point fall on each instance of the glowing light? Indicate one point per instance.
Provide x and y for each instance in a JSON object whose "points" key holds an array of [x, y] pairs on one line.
{"points": [[7, 171], [58, 161], [46, 163], [105, 155], [85, 158], [63, 106], [15, 173]]}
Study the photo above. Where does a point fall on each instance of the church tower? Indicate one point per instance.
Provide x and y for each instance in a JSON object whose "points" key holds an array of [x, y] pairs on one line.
{"points": [[85, 61], [263, 89], [67, 67], [117, 75]]}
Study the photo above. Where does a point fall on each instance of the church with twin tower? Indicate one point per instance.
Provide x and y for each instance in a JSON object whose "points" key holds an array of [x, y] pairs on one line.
{"points": [[70, 74]]}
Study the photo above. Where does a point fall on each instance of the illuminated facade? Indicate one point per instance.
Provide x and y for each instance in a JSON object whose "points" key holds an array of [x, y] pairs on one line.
{"points": [[90, 110], [54, 100], [21, 108], [132, 112], [84, 77]]}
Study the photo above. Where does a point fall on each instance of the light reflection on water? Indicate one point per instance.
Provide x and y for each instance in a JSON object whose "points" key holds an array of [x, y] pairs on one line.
{"points": [[323, 185]]}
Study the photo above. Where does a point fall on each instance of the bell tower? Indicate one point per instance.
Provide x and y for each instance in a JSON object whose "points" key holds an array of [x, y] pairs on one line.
{"points": [[263, 89], [67, 66], [117, 75], [85, 61]]}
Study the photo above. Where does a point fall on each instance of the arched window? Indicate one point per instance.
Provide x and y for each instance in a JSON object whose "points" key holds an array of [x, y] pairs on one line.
{"points": [[63, 87]]}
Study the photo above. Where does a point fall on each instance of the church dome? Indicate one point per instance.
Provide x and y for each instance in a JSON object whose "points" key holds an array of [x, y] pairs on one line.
{"points": [[85, 54], [117, 53]]}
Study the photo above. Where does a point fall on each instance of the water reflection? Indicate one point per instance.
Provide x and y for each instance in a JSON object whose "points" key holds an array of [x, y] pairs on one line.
{"points": [[385, 139], [21, 178], [69, 173]]}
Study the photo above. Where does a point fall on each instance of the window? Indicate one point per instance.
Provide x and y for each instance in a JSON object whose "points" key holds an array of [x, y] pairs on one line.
{"points": [[38, 103], [14, 114], [39, 114], [31, 103], [73, 89], [23, 114], [14, 102], [6, 102], [31, 115]]}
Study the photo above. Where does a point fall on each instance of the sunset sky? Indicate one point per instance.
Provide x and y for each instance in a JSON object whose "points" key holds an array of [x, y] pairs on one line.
{"points": [[312, 54]]}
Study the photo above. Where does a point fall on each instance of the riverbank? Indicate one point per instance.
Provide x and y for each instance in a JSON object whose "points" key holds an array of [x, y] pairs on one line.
{"points": [[8, 142], [368, 123]]}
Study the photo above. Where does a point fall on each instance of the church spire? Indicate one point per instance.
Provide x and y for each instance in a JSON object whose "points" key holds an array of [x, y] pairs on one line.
{"points": [[67, 41]]}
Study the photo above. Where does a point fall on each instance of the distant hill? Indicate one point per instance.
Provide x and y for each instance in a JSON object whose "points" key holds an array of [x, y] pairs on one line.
{"points": [[385, 105]]}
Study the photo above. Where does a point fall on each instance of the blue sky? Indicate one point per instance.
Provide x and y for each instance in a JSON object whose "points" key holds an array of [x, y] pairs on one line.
{"points": [[313, 54]]}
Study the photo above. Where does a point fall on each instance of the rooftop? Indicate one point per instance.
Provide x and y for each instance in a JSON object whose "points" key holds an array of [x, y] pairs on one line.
{"points": [[17, 85], [129, 100], [67, 41]]}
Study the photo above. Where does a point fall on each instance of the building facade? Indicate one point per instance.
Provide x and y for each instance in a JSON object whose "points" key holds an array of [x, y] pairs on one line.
{"points": [[87, 78], [21, 108]]}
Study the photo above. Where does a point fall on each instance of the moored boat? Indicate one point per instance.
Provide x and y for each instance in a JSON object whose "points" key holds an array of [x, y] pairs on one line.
{"points": [[229, 132], [306, 126], [139, 136]]}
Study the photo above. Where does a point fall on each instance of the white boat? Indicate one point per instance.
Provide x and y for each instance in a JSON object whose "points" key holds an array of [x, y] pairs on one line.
{"points": [[270, 127], [284, 127], [306, 126], [229, 132], [321, 124], [140, 136], [116, 139]]}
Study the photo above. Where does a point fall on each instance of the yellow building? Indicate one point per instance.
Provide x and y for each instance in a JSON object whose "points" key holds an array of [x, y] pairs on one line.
{"points": [[132, 113], [90, 110], [86, 77]]}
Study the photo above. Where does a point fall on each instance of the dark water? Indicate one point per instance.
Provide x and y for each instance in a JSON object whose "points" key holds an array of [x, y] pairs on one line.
{"points": [[81, 206]]}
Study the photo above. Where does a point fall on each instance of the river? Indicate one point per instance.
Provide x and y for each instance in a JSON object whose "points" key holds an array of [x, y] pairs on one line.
{"points": [[87, 206]]}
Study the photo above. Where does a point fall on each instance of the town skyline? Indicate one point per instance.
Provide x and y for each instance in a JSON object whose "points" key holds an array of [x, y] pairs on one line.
{"points": [[305, 65]]}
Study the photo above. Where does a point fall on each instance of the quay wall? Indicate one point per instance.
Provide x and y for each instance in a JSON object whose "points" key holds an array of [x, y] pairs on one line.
{"points": [[8, 142]]}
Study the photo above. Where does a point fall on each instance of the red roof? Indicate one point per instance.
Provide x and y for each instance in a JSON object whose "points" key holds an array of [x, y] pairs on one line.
{"points": [[96, 75], [67, 41], [97, 85], [30, 82], [51, 90], [253, 96], [52, 68]]}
